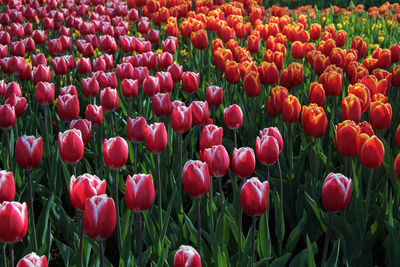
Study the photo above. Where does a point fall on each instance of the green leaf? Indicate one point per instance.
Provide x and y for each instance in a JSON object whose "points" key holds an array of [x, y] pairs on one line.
{"points": [[296, 233]]}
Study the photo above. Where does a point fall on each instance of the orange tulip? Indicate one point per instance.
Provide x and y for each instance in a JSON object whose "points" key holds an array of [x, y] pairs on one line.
{"points": [[346, 138], [291, 109], [351, 108], [370, 150], [313, 120], [380, 115]]}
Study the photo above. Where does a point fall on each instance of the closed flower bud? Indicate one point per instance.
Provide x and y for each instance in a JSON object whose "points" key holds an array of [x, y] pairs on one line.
{"points": [[243, 162], [196, 178], [370, 150], [186, 256], [351, 108], [70, 146], [13, 221], [44, 93], [156, 138], [336, 192], [109, 99], [254, 197], [136, 129], [68, 107], [233, 117], [314, 121], [181, 119], [33, 260], [115, 152], [7, 186], [28, 152], [380, 115], [190, 82], [291, 109], [8, 118], [210, 135], [85, 126], [200, 113], [139, 192], [83, 188], [217, 159], [94, 114], [346, 138]]}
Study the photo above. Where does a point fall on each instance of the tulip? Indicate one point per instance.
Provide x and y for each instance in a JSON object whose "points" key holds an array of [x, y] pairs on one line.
{"points": [[7, 186], [94, 114], [332, 82], [186, 256], [336, 195], [200, 113], [298, 50], [165, 60], [233, 117], [214, 97], [109, 99], [269, 73], [370, 150], [41, 73], [190, 82], [217, 159], [71, 89], [252, 84], [139, 192], [166, 82], [44, 93], [8, 117], [267, 149], [232, 72], [99, 217], [210, 135], [156, 138], [85, 126], [397, 167], [83, 188], [151, 86], [176, 72], [380, 115], [291, 109], [13, 223], [83, 66], [274, 132], [68, 107], [90, 87], [346, 138], [243, 162], [70, 146], [363, 94], [33, 260], [314, 121], [115, 152], [351, 108], [181, 119], [28, 152], [315, 31], [199, 39], [161, 104]]}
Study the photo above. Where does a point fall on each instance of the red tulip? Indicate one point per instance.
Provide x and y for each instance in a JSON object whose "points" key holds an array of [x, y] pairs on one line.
{"points": [[346, 138], [151, 86], [176, 72], [166, 82], [196, 178], [370, 150], [186, 256], [125, 71], [109, 99], [395, 53], [165, 60], [84, 187], [54, 47], [70, 146], [8, 118], [298, 50], [153, 35], [397, 166], [139, 192], [233, 117], [41, 73], [254, 197], [33, 260], [59, 65], [243, 162], [380, 115], [85, 126], [108, 44], [7, 186], [83, 65], [267, 150], [360, 45], [199, 39], [314, 121], [181, 119], [115, 152], [94, 114], [274, 132], [200, 113], [363, 94], [44, 93], [336, 192], [252, 84], [210, 135], [351, 108], [99, 217], [156, 138], [28, 152], [332, 82], [253, 43], [232, 72], [315, 31], [68, 107], [90, 87], [169, 45], [70, 89], [13, 221], [214, 95], [269, 73], [190, 82], [136, 129], [291, 109], [129, 88], [161, 104], [217, 159], [19, 104]]}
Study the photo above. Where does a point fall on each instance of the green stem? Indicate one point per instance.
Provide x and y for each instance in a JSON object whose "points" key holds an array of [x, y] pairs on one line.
{"points": [[291, 147], [368, 198], [101, 253], [116, 199], [281, 208], [241, 222], [9, 148], [11, 254], [253, 239], [46, 131], [112, 123], [210, 195], [221, 206], [139, 235], [159, 189], [325, 253], [32, 214], [180, 163], [135, 145], [235, 137], [198, 200], [4, 254]]}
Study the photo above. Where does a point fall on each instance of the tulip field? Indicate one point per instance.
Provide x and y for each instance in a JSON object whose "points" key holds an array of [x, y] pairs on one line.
{"points": [[199, 133]]}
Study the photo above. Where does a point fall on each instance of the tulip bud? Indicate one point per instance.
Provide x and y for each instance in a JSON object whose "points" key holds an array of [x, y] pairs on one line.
{"points": [[233, 117], [28, 152], [210, 135], [351, 108], [186, 256], [7, 186], [314, 121], [336, 192], [33, 260], [115, 152], [380, 115], [85, 126], [68, 107], [370, 150], [136, 129], [156, 138], [196, 178], [151, 86], [267, 150], [243, 162], [99, 217], [291, 109], [109, 99], [44, 93], [252, 84], [190, 82], [200, 113], [214, 95], [161, 104], [217, 159], [70, 146], [346, 138], [83, 188], [14, 221], [8, 118], [94, 114], [90, 87], [139, 192], [274, 132], [181, 119], [254, 197]]}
